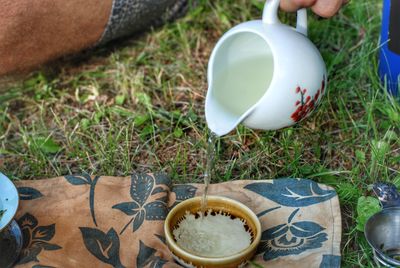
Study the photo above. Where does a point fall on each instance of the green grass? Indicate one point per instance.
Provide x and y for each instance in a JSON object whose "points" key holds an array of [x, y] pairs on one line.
{"points": [[138, 105]]}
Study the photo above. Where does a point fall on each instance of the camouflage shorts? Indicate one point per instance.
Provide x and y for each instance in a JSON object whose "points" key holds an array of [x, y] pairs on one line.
{"points": [[129, 16]]}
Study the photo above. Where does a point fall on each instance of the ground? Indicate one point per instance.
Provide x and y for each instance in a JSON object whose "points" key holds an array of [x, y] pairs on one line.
{"points": [[138, 105]]}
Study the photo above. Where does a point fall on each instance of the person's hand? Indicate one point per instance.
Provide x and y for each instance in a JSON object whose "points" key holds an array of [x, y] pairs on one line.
{"points": [[323, 8]]}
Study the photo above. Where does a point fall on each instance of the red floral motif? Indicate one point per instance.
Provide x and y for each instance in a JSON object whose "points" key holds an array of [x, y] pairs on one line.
{"points": [[306, 104]]}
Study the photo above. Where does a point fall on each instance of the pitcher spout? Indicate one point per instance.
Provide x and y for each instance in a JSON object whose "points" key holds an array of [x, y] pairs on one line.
{"points": [[219, 120], [240, 72]]}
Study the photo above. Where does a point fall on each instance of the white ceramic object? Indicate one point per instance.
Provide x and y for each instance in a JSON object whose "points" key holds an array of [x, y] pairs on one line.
{"points": [[264, 74], [10, 233], [9, 201]]}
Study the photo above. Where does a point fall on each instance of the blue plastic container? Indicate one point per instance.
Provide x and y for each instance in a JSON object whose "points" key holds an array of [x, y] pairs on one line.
{"points": [[389, 63]]}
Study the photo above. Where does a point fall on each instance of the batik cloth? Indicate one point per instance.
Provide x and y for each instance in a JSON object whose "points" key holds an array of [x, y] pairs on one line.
{"points": [[96, 221]]}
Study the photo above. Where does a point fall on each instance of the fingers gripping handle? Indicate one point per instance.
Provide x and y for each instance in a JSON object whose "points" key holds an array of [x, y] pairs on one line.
{"points": [[270, 16]]}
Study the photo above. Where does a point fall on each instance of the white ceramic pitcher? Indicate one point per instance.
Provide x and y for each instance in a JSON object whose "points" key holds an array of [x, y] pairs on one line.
{"points": [[264, 74]]}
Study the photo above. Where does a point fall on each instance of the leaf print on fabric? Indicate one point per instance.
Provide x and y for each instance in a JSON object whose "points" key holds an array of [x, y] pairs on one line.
{"points": [[161, 238], [82, 180], [104, 246], [259, 215], [162, 179], [164, 198], [330, 261], [79, 179], [142, 187], [28, 193], [291, 238], [183, 192], [292, 192], [158, 190], [147, 256], [138, 221], [35, 238], [305, 229], [156, 211], [129, 208], [44, 233]]}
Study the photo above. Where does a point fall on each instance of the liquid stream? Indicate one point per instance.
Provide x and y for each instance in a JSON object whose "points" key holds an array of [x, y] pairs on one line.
{"points": [[211, 154]]}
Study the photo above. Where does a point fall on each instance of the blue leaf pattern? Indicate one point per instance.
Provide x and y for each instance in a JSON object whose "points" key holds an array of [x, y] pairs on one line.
{"points": [[44, 233], [129, 208], [291, 238], [28, 221], [163, 199], [292, 192], [48, 246], [158, 262], [30, 255], [161, 238], [259, 215], [82, 180], [183, 192], [163, 179], [91, 198], [28, 193], [156, 211], [330, 261], [157, 190], [138, 221], [78, 180], [305, 228], [141, 187], [36, 238], [104, 247], [147, 256], [274, 232]]}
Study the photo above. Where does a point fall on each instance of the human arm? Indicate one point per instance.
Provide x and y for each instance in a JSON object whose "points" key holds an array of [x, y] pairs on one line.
{"points": [[33, 32]]}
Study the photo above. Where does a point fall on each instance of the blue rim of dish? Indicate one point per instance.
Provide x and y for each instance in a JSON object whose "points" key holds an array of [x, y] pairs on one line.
{"points": [[4, 177]]}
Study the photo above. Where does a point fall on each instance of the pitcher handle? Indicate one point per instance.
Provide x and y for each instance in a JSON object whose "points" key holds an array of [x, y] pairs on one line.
{"points": [[270, 16], [387, 194]]}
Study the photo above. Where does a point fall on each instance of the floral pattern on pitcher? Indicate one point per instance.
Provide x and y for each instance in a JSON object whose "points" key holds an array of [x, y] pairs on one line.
{"points": [[307, 104]]}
